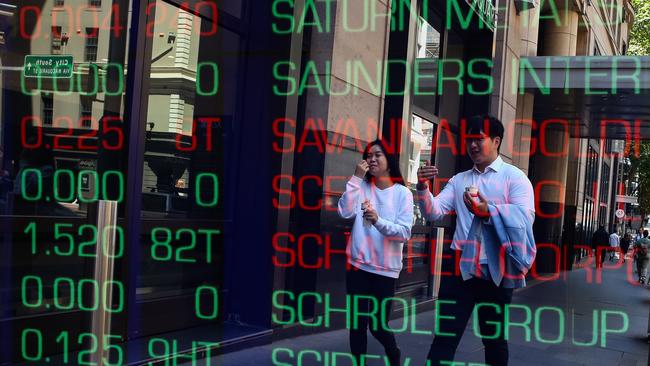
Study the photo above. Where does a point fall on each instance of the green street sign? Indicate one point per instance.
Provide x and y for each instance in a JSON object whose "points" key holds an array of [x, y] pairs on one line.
{"points": [[48, 66]]}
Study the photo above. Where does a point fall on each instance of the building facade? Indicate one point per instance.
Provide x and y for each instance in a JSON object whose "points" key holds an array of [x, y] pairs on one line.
{"points": [[226, 132]]}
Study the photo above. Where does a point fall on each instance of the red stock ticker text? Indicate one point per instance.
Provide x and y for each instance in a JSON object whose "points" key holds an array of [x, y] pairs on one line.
{"points": [[294, 251], [348, 133]]}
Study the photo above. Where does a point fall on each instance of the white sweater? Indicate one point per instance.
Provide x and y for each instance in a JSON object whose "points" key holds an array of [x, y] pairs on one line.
{"points": [[377, 248]]}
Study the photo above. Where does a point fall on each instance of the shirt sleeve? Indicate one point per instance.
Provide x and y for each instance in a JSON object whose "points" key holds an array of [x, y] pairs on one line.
{"points": [[435, 208], [401, 227], [521, 194], [349, 202]]}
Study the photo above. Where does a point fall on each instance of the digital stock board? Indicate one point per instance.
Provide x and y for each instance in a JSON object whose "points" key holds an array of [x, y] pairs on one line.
{"points": [[324, 182]]}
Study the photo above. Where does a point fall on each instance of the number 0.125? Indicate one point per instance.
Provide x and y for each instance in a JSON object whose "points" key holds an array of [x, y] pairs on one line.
{"points": [[31, 347]]}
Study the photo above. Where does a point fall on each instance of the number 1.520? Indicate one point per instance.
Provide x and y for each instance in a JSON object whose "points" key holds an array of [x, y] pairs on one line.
{"points": [[80, 242]]}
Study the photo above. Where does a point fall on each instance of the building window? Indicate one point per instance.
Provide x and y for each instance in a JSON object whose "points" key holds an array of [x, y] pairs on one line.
{"points": [[90, 54], [48, 109], [592, 171], [55, 46], [59, 3], [428, 52], [95, 3], [86, 111]]}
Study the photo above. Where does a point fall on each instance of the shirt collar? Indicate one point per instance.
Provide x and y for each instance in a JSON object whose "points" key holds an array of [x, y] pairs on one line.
{"points": [[496, 165]]}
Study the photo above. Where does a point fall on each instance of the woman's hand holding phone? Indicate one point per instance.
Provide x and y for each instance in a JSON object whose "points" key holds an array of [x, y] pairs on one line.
{"points": [[362, 169]]}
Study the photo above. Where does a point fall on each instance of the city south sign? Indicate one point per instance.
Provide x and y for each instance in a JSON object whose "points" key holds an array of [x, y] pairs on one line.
{"points": [[48, 66]]}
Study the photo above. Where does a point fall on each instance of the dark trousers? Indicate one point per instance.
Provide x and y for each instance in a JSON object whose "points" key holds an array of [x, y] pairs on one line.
{"points": [[379, 287], [457, 299]]}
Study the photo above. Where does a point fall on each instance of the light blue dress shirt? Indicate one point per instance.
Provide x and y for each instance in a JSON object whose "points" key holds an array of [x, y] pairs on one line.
{"points": [[499, 183]]}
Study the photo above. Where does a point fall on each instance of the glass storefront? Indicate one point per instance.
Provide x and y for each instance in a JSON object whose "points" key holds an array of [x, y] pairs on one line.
{"points": [[125, 102]]}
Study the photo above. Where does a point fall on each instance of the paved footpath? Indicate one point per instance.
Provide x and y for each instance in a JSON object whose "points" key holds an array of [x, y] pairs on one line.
{"points": [[563, 332]]}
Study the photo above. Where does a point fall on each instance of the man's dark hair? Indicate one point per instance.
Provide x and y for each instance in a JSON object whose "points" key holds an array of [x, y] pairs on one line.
{"points": [[487, 124], [645, 233], [393, 164]]}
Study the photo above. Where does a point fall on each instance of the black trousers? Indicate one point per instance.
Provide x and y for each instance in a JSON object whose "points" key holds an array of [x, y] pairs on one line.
{"points": [[457, 298], [364, 283]]}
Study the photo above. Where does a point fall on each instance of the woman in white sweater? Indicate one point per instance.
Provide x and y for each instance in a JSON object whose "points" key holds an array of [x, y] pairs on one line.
{"points": [[382, 209]]}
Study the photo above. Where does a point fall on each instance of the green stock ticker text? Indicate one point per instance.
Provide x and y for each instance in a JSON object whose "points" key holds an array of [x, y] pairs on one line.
{"points": [[91, 79], [433, 76], [355, 16], [520, 320], [282, 356]]}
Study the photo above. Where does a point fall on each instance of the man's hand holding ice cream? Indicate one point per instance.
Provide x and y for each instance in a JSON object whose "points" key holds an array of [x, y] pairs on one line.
{"points": [[476, 202]]}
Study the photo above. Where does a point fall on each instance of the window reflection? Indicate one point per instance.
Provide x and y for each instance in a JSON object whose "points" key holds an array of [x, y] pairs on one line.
{"points": [[423, 105], [50, 137], [421, 140], [186, 114], [428, 52], [428, 41]]}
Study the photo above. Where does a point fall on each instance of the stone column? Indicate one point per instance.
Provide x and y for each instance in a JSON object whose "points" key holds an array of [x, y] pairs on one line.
{"points": [[521, 137], [552, 157], [561, 34]]}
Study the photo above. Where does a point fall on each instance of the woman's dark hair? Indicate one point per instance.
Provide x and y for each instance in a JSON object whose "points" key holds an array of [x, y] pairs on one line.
{"points": [[393, 164]]}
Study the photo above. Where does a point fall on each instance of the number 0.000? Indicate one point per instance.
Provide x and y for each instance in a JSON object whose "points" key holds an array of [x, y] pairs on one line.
{"points": [[64, 178], [68, 295]]}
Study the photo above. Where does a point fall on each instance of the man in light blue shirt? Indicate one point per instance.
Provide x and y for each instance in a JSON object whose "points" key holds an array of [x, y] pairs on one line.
{"points": [[498, 183]]}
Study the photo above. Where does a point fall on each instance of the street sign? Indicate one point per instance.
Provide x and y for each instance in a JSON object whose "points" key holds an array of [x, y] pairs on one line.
{"points": [[626, 199], [620, 213], [48, 66]]}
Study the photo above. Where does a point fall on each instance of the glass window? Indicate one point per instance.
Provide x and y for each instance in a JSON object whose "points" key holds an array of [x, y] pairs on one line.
{"points": [[186, 114], [92, 36], [426, 65], [48, 108], [50, 174], [95, 3], [86, 111], [55, 48], [422, 134], [423, 104]]}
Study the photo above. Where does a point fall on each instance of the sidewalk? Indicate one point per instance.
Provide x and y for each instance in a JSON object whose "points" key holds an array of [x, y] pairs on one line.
{"points": [[571, 297]]}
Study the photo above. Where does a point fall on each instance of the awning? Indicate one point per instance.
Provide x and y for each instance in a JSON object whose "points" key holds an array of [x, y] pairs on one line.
{"points": [[590, 92]]}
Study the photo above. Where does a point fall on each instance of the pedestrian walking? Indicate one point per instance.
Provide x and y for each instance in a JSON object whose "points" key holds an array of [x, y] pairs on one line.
{"points": [[482, 198], [626, 241], [382, 209], [642, 257], [600, 242], [614, 244]]}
